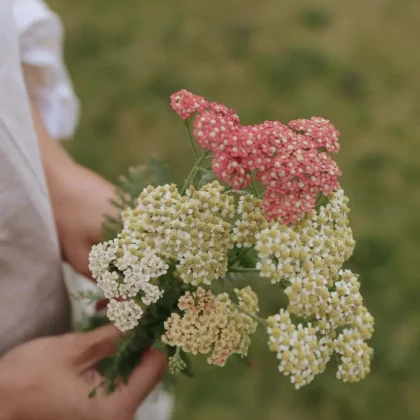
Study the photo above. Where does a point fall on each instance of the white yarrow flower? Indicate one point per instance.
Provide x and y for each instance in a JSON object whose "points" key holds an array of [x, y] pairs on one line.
{"points": [[124, 314]]}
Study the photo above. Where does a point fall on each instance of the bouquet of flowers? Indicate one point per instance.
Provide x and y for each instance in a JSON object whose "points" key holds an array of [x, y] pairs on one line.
{"points": [[271, 210]]}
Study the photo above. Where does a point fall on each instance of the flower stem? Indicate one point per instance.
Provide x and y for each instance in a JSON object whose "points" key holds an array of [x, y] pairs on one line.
{"points": [[241, 254], [243, 270], [254, 317], [193, 173], [254, 187], [194, 149]]}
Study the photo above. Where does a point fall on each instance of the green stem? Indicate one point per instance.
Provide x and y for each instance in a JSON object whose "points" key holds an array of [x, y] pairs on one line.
{"points": [[254, 317], [243, 270], [194, 149], [254, 187], [190, 177], [193, 173]]}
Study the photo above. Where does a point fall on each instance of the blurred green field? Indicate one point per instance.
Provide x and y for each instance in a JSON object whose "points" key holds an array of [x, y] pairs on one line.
{"points": [[356, 63]]}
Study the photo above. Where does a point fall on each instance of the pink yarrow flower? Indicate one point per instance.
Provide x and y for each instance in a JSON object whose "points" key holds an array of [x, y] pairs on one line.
{"points": [[289, 160], [321, 132], [290, 203], [185, 103]]}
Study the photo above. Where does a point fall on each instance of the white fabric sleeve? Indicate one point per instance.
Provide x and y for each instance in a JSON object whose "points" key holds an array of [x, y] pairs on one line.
{"points": [[48, 83]]}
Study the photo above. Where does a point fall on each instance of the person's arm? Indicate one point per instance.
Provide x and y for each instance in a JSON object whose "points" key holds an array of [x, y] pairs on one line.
{"points": [[79, 197], [51, 378]]}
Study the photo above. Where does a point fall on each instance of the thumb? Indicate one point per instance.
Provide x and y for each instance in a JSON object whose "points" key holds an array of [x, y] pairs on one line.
{"points": [[95, 345]]}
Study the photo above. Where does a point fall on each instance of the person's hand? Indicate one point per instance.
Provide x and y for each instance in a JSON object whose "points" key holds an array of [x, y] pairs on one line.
{"points": [[51, 378], [80, 202], [79, 198]]}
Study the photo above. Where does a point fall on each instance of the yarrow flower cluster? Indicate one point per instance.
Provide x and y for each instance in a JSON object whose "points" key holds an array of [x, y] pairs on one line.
{"points": [[355, 356], [124, 314], [176, 364], [318, 245], [251, 222], [288, 159], [186, 104], [122, 276], [282, 217], [212, 324], [302, 355], [308, 257], [189, 230], [307, 260]]}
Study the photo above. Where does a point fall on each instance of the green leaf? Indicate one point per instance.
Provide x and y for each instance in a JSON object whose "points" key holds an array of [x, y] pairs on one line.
{"points": [[131, 346], [128, 190], [321, 201], [112, 220], [188, 371], [243, 257], [104, 366], [112, 226], [87, 295], [168, 382], [204, 177], [238, 192], [110, 386], [119, 204], [159, 172]]}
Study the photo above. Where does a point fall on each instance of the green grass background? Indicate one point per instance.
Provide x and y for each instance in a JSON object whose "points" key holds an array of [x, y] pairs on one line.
{"points": [[355, 62]]}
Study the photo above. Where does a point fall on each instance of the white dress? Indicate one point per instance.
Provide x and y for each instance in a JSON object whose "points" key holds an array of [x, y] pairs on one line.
{"points": [[40, 38], [33, 298]]}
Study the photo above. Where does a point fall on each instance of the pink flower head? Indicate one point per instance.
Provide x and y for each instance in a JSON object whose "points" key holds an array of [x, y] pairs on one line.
{"points": [[323, 172], [186, 103], [240, 143], [273, 135], [320, 131], [289, 202], [211, 130], [232, 171], [287, 159], [224, 111], [294, 177]]}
